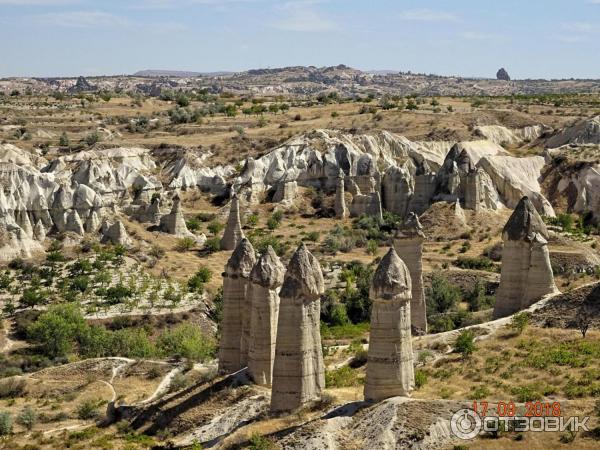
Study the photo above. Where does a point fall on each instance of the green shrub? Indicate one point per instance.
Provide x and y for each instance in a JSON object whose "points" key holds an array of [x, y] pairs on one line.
{"points": [[215, 227], [88, 410], [5, 423], [27, 418], [343, 377], [442, 295], [258, 442], [12, 387], [252, 220], [184, 244], [57, 329], [420, 378], [199, 279], [465, 343], [212, 245], [193, 224], [476, 263], [479, 392], [520, 321], [186, 341]]}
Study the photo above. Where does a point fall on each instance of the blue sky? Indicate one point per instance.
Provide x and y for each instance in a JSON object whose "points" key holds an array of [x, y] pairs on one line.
{"points": [[531, 38]]}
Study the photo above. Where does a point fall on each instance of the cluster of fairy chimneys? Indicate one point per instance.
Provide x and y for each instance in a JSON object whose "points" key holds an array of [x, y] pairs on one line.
{"points": [[271, 315], [271, 325]]}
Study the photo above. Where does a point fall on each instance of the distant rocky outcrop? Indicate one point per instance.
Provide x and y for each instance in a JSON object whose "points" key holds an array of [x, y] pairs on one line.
{"points": [[82, 85], [502, 75]]}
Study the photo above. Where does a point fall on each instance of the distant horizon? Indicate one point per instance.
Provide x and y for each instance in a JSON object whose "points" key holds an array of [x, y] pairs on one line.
{"points": [[538, 39], [229, 72]]}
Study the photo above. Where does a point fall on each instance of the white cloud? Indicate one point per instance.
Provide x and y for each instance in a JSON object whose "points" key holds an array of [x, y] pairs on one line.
{"points": [[580, 27], [428, 15], [573, 39], [81, 19], [300, 15], [479, 36], [307, 21]]}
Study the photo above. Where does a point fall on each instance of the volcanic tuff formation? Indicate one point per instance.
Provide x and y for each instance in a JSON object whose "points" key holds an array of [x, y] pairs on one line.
{"points": [[390, 369], [266, 279], [233, 352], [298, 371], [408, 243], [233, 231], [341, 212], [526, 271]]}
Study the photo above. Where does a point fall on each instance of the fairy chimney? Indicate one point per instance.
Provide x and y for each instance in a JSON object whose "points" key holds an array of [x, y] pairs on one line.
{"points": [[408, 243], [526, 274], [298, 370], [236, 308], [233, 232], [266, 279], [390, 371]]}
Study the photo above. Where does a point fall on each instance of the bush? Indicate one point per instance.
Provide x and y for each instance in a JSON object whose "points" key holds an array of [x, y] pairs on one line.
{"points": [[193, 224], [117, 294], [212, 245], [258, 442], [520, 321], [420, 378], [186, 341], [215, 227], [465, 343], [343, 377], [27, 418], [477, 263], [477, 298], [12, 387], [185, 244], [88, 410], [442, 295], [252, 220], [199, 279], [5, 423], [57, 329]]}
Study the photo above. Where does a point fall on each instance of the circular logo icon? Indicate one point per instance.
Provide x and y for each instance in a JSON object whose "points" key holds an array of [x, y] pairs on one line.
{"points": [[465, 424]]}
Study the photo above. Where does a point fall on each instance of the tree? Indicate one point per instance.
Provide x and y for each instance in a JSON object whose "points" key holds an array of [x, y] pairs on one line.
{"points": [[183, 100], [584, 320], [64, 140], [465, 343], [32, 297], [520, 321], [442, 296], [57, 329]]}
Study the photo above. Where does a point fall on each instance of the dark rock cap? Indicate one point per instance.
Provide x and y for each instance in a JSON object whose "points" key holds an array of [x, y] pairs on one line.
{"points": [[391, 277], [268, 270], [524, 223], [411, 227], [242, 259], [303, 277]]}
